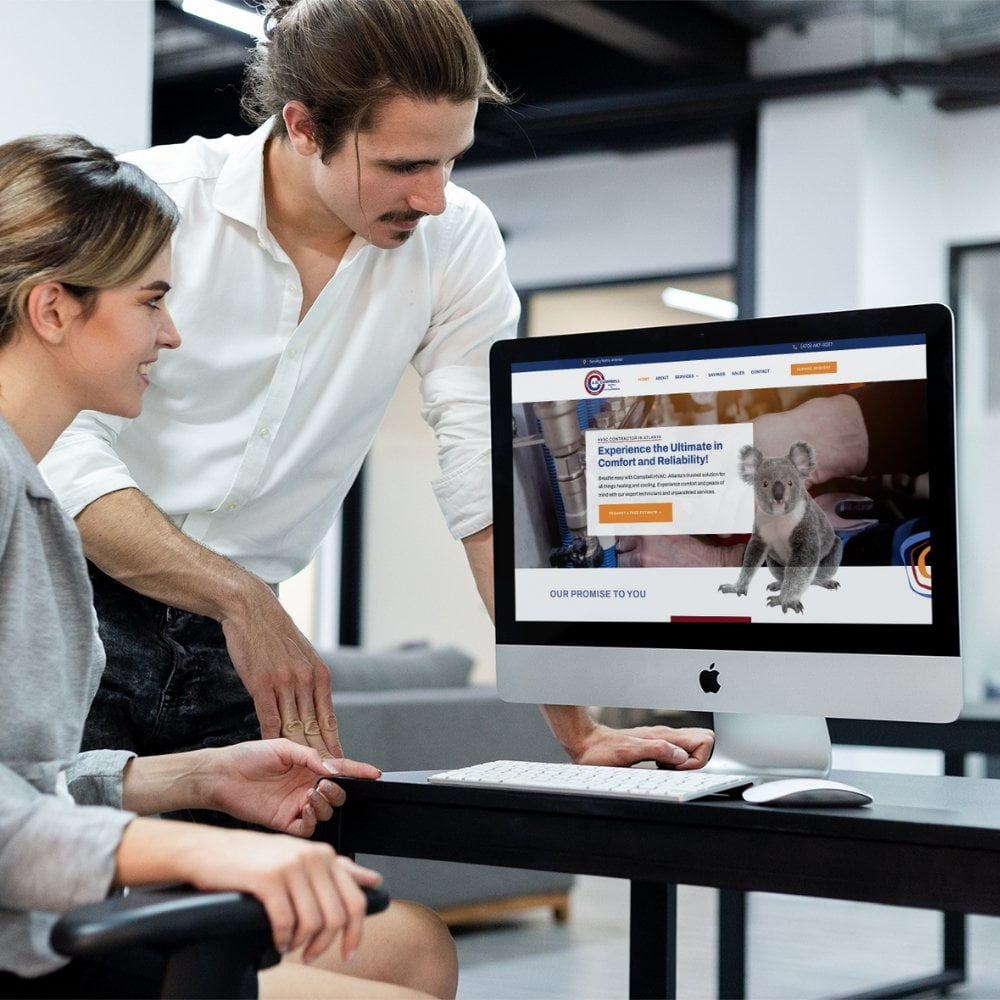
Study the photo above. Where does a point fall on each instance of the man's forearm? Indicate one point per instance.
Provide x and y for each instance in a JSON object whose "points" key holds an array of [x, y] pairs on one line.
{"points": [[129, 539], [479, 552], [833, 425], [571, 725]]}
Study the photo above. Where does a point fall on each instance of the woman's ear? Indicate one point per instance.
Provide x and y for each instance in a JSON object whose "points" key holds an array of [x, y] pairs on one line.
{"points": [[299, 126], [51, 309]]}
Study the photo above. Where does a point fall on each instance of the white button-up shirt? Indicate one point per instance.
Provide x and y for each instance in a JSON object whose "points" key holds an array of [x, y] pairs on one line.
{"points": [[253, 431]]}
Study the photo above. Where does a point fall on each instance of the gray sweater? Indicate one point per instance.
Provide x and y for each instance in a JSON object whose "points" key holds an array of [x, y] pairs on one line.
{"points": [[57, 850]]}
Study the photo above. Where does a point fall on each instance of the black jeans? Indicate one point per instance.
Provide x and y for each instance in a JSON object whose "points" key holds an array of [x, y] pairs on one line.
{"points": [[169, 684], [133, 972]]}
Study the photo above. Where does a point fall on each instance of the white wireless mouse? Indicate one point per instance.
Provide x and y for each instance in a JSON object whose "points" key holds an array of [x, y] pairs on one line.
{"points": [[805, 792]]}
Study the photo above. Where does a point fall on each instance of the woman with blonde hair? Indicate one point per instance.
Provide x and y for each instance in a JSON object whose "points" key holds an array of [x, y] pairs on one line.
{"points": [[84, 271]]}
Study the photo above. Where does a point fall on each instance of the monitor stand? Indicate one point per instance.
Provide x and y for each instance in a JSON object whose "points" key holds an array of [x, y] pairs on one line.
{"points": [[788, 745]]}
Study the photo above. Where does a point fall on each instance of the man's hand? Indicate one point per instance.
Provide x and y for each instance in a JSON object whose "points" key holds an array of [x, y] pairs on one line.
{"points": [[675, 749], [289, 683], [278, 784], [589, 742], [133, 542]]}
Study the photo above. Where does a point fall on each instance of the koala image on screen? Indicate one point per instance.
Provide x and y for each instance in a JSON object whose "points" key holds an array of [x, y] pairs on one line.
{"points": [[790, 531]]}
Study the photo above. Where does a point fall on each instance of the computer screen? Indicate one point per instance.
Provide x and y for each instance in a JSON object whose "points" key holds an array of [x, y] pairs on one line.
{"points": [[732, 517]]}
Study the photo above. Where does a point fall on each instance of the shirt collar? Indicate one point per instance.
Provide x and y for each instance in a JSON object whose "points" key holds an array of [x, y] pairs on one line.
{"points": [[239, 191]]}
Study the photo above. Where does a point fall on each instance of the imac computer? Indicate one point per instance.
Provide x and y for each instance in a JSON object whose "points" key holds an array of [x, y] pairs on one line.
{"points": [[736, 517]]}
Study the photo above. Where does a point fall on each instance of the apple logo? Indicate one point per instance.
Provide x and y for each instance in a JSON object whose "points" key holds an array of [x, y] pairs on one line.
{"points": [[709, 680]]}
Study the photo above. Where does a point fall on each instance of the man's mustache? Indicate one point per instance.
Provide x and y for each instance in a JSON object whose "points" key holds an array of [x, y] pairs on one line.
{"points": [[402, 217]]}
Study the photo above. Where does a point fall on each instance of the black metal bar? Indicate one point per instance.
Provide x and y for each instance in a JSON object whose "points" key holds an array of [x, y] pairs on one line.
{"points": [[351, 551], [653, 941], [739, 96], [955, 952], [732, 952], [938, 982], [746, 218]]}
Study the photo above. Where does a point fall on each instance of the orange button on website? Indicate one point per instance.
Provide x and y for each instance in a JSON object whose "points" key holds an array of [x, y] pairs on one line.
{"points": [[631, 513], [815, 368]]}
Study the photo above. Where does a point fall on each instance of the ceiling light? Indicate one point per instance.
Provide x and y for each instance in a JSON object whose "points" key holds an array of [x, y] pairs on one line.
{"points": [[228, 16], [706, 305]]}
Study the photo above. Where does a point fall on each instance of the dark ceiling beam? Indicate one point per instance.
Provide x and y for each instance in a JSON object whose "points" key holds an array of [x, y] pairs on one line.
{"points": [[739, 97], [170, 12], [954, 97], [660, 35], [610, 29], [187, 46]]}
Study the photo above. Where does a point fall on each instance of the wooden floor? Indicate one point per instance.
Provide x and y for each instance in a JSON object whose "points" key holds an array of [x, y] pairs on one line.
{"points": [[798, 948]]}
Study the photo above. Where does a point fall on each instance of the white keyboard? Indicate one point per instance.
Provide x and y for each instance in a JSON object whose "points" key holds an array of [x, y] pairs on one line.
{"points": [[589, 779]]}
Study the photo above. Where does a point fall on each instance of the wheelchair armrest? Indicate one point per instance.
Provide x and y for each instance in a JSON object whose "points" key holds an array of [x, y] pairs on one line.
{"points": [[165, 916], [156, 916]]}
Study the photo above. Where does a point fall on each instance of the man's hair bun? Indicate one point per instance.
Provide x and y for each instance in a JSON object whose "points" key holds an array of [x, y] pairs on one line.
{"points": [[275, 14]]}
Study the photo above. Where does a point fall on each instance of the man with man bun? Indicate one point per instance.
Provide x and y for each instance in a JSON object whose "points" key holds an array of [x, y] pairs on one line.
{"points": [[315, 259]]}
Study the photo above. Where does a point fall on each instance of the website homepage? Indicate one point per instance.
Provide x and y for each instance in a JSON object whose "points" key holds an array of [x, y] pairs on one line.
{"points": [[786, 483]]}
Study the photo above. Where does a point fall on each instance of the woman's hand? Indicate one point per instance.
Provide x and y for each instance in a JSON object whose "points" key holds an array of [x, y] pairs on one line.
{"points": [[278, 784], [310, 894], [273, 783]]}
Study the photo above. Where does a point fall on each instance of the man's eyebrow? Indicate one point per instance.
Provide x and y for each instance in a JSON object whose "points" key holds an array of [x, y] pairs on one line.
{"points": [[404, 160], [156, 286]]}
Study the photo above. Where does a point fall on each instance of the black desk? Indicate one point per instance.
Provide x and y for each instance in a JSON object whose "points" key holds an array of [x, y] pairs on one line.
{"points": [[930, 842], [975, 731]]}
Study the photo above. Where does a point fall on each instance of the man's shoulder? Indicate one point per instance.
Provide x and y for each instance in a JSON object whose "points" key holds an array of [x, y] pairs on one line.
{"points": [[198, 158], [463, 200], [465, 213]]}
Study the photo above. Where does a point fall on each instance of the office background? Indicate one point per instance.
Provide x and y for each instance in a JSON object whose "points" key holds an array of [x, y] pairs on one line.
{"points": [[862, 198], [858, 196]]}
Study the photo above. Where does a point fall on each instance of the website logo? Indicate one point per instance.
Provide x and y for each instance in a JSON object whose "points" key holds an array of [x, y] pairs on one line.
{"points": [[915, 555], [594, 382]]}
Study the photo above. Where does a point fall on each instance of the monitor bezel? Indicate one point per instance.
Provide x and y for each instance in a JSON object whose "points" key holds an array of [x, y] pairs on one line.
{"points": [[939, 638]]}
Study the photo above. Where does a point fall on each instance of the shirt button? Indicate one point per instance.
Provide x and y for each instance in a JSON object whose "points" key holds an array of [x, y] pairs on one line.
{"points": [[264, 432], [230, 506], [293, 352]]}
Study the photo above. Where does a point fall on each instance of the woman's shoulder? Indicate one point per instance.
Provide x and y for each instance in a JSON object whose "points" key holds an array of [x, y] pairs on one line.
{"points": [[12, 454], [19, 476]]}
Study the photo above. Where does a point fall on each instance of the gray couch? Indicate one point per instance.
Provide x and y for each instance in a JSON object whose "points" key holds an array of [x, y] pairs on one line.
{"points": [[413, 708]]}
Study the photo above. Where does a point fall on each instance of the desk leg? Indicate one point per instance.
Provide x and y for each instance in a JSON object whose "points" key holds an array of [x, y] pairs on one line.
{"points": [[732, 953], [955, 924], [954, 945], [653, 941]]}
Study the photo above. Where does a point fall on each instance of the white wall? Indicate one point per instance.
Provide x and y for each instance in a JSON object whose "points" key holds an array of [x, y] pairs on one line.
{"points": [[970, 156], [861, 197], [599, 217], [808, 208], [417, 585], [81, 66]]}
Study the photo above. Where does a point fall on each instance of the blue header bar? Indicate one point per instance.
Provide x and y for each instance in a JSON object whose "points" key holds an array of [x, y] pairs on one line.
{"points": [[745, 351]]}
